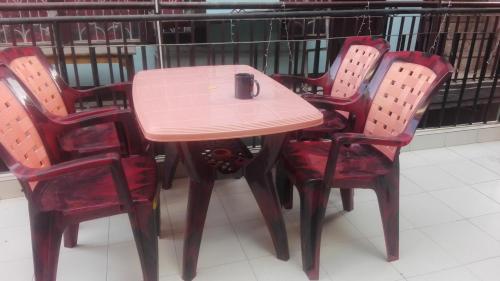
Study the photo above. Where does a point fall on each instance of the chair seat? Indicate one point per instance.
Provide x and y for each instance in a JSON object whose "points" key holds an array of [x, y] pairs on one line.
{"points": [[333, 121], [97, 138], [306, 161], [94, 188]]}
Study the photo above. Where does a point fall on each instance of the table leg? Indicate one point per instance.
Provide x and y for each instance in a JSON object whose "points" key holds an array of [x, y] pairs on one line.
{"points": [[170, 164], [200, 190], [259, 178]]}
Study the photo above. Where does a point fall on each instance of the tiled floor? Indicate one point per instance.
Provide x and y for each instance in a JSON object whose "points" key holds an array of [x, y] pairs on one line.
{"points": [[450, 230]]}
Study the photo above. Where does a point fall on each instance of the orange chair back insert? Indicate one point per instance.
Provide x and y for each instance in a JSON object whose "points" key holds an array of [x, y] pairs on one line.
{"points": [[359, 60], [36, 77], [18, 134]]}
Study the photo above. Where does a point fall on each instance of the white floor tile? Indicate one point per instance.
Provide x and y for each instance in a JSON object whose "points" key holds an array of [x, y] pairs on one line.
{"points": [[256, 240], [177, 210], [471, 151], [467, 201], [366, 218], [336, 227], [119, 229], [231, 186], [439, 155], [15, 243], [487, 270], [219, 245], [464, 241], [239, 271], [120, 268], [418, 254], [92, 233], [423, 210], [489, 224], [241, 206], [17, 270], [357, 260], [469, 172], [14, 213], [408, 187], [82, 264], [361, 195], [272, 269], [411, 159], [431, 178], [455, 274], [490, 162], [491, 189]]}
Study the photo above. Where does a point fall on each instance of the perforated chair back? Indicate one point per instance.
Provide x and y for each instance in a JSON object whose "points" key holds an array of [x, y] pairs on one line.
{"points": [[401, 91], [355, 63], [32, 68], [18, 134]]}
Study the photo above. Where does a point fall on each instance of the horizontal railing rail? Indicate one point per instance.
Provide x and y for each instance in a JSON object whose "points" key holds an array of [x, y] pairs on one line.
{"points": [[251, 15], [234, 5]]}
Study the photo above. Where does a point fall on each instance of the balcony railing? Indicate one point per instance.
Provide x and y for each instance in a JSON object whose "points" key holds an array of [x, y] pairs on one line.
{"points": [[98, 43]]}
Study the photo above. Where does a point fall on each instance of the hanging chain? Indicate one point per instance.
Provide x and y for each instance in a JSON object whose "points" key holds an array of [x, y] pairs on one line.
{"points": [[266, 54], [440, 30], [290, 55], [494, 51], [234, 11], [367, 8]]}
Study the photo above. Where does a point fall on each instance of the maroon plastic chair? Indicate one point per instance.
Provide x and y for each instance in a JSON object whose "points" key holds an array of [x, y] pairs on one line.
{"points": [[400, 92], [58, 101], [354, 64], [61, 193]]}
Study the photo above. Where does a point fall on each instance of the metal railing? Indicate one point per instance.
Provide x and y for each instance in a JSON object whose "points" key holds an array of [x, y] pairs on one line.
{"points": [[300, 38]]}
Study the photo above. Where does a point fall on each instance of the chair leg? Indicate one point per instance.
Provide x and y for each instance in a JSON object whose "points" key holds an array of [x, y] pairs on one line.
{"points": [[313, 202], [143, 221], [46, 236], [170, 165], [71, 235], [347, 196], [199, 199], [284, 187], [387, 191]]}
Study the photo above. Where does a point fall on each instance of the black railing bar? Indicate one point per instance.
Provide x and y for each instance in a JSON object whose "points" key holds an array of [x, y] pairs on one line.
{"points": [[233, 5], [115, 45], [249, 15]]}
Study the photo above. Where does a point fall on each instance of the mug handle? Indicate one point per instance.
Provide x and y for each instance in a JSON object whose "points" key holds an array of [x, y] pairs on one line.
{"points": [[258, 88]]}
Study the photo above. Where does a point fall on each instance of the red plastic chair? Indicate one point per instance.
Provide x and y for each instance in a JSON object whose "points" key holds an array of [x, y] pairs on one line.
{"points": [[354, 64], [61, 193], [58, 100], [400, 92]]}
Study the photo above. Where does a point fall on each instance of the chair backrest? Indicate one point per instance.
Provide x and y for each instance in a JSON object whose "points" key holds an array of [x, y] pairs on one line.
{"points": [[401, 90], [18, 134], [354, 64], [32, 68]]}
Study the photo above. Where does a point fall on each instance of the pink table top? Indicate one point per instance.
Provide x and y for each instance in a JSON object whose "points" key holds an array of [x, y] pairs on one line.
{"points": [[198, 103]]}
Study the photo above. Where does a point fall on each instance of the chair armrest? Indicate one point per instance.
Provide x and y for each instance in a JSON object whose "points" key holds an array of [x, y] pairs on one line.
{"points": [[63, 168], [293, 79], [111, 160], [350, 138], [90, 112], [340, 139], [124, 88], [123, 119], [331, 103]]}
